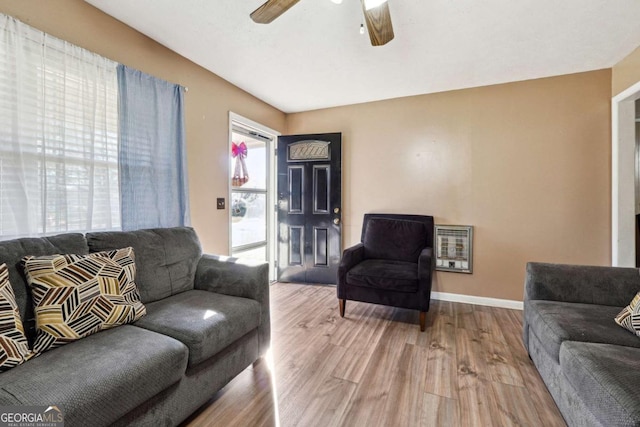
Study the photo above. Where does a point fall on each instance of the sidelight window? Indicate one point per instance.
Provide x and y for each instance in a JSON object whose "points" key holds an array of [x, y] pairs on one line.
{"points": [[250, 199]]}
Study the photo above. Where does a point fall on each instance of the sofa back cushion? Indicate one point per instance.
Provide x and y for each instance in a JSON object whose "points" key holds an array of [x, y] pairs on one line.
{"points": [[393, 239], [166, 258], [12, 252]]}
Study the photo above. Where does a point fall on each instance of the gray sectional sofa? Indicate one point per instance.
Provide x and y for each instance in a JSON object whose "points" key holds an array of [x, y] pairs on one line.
{"points": [[207, 320], [590, 365]]}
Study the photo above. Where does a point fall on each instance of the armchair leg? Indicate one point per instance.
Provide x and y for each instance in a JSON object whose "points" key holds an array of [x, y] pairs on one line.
{"points": [[423, 320], [343, 304]]}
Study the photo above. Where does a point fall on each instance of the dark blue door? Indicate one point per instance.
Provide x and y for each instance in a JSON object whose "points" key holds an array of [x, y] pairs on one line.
{"points": [[309, 207]]}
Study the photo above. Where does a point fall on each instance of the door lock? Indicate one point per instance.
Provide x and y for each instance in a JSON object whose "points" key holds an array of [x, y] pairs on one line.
{"points": [[336, 210]]}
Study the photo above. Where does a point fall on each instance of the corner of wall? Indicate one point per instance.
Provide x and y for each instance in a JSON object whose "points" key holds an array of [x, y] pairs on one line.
{"points": [[625, 73]]}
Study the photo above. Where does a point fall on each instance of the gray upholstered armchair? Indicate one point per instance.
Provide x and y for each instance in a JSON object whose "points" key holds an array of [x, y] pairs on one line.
{"points": [[392, 265]]}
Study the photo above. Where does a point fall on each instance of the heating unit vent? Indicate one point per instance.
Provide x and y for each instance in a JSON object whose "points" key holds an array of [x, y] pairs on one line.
{"points": [[454, 244]]}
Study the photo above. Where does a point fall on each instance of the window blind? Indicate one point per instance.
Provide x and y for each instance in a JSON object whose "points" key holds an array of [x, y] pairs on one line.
{"points": [[58, 135]]}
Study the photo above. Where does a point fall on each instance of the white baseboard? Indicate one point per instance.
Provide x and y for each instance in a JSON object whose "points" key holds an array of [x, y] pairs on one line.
{"points": [[470, 299]]}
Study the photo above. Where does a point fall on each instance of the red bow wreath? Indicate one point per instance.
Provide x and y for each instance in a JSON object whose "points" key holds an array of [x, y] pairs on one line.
{"points": [[240, 174]]}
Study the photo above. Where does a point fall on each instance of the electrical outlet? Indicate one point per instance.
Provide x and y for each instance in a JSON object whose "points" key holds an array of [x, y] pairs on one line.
{"points": [[220, 203]]}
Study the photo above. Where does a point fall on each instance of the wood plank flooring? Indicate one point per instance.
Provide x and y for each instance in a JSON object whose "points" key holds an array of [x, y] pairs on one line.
{"points": [[375, 368]]}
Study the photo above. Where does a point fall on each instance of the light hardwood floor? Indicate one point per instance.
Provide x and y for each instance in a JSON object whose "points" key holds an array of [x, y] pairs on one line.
{"points": [[375, 368]]}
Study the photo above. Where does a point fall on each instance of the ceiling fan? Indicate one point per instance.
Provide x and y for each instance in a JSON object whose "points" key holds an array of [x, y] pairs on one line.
{"points": [[376, 14]]}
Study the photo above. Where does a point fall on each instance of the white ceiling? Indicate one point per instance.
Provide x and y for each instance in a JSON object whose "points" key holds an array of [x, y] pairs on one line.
{"points": [[314, 57]]}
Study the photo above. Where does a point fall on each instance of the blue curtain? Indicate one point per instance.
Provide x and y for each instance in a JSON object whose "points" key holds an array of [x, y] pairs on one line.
{"points": [[153, 173]]}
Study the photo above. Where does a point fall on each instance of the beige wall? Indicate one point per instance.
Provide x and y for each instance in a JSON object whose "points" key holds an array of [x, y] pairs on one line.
{"points": [[207, 103], [527, 164], [626, 73]]}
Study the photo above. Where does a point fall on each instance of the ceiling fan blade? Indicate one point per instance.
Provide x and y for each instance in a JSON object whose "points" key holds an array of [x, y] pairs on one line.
{"points": [[270, 10], [379, 24]]}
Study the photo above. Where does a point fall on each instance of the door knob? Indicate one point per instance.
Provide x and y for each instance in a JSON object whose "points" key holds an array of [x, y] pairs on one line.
{"points": [[336, 221]]}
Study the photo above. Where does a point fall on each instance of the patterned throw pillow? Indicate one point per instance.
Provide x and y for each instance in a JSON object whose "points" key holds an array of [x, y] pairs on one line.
{"points": [[14, 349], [78, 295], [629, 317]]}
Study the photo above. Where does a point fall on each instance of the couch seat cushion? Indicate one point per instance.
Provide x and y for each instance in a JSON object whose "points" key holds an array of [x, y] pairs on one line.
{"points": [[554, 322], [204, 321], [397, 276], [100, 378], [606, 378]]}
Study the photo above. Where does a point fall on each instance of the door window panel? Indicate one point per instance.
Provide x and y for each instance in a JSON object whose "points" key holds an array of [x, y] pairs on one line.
{"points": [[256, 254], [248, 218], [249, 195]]}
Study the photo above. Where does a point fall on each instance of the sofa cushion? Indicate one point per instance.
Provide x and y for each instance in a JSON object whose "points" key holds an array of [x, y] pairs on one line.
{"points": [[394, 239], [606, 378], [14, 349], [555, 322], [398, 276], [101, 377], [12, 252], [166, 258], [204, 321], [629, 317], [75, 296]]}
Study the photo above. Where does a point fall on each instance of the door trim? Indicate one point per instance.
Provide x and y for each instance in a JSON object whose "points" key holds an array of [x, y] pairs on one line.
{"points": [[622, 177], [271, 187]]}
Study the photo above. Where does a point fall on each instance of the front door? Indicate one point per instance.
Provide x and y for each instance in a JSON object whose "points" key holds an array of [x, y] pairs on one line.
{"points": [[309, 207]]}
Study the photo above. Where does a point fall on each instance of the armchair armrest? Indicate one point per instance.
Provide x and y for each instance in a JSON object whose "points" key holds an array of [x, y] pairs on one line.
{"points": [[426, 264], [350, 258], [614, 286], [229, 276]]}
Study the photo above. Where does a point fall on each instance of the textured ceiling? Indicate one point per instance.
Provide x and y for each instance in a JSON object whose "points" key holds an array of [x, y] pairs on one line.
{"points": [[314, 56]]}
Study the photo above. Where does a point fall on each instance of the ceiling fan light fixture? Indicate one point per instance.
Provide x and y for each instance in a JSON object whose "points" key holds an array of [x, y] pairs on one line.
{"points": [[371, 4]]}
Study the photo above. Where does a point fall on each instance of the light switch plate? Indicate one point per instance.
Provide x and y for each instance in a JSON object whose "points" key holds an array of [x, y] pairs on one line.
{"points": [[220, 203]]}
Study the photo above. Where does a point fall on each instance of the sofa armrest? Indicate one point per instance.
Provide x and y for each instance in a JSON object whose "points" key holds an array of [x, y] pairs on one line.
{"points": [[229, 276], [614, 286]]}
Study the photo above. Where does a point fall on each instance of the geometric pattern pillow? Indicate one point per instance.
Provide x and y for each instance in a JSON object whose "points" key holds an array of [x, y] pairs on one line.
{"points": [[14, 349], [78, 295], [629, 317]]}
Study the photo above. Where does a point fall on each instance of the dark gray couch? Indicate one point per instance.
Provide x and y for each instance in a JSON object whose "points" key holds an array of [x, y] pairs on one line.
{"points": [[207, 320], [590, 365]]}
